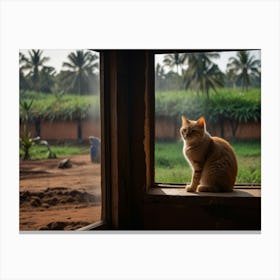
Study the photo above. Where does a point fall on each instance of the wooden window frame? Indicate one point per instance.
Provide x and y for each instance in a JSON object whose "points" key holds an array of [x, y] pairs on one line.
{"points": [[131, 200], [105, 220], [164, 194]]}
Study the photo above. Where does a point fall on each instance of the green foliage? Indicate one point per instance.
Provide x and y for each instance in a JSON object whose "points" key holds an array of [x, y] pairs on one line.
{"points": [[244, 68], [50, 153], [227, 104], [39, 151], [38, 74], [26, 142], [233, 108], [175, 60], [171, 166], [81, 70], [202, 74], [80, 73], [59, 106]]}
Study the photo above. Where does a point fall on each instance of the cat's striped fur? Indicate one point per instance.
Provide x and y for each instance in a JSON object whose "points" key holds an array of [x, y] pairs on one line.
{"points": [[212, 159]]}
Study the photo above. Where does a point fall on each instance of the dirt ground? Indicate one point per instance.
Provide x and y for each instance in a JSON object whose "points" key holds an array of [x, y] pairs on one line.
{"points": [[52, 198]]}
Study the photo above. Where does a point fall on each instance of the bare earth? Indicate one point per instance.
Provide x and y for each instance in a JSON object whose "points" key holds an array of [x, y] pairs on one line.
{"points": [[59, 199]]}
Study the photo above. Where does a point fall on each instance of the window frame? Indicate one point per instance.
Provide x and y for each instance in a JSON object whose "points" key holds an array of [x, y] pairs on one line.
{"points": [[130, 198], [151, 181], [163, 192], [105, 220]]}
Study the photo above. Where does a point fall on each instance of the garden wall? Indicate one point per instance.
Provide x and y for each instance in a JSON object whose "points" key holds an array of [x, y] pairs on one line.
{"points": [[165, 128], [169, 129], [66, 130]]}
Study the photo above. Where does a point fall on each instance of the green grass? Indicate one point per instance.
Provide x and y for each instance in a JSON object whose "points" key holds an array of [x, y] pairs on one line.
{"points": [[40, 152], [171, 166], [253, 94]]}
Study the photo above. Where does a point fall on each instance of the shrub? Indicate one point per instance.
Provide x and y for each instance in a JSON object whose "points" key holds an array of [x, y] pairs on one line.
{"points": [[63, 107], [226, 105]]}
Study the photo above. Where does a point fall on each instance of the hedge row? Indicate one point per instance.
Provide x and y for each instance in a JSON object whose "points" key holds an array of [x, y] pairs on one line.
{"points": [[62, 107], [227, 104]]}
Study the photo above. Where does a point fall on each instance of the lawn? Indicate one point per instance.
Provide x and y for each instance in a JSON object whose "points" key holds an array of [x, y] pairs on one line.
{"points": [[171, 166], [40, 152]]}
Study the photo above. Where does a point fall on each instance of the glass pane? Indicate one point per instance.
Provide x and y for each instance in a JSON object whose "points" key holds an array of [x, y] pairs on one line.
{"points": [[60, 173], [225, 88]]}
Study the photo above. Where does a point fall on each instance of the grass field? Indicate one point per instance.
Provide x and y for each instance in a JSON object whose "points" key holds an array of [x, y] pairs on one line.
{"points": [[40, 152], [171, 166]]}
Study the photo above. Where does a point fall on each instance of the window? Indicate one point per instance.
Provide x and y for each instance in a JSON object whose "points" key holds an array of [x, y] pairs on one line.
{"points": [[216, 85], [132, 195], [60, 135], [134, 200]]}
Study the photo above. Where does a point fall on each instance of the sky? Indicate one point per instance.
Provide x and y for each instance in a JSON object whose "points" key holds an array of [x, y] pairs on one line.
{"points": [[222, 61], [57, 57]]}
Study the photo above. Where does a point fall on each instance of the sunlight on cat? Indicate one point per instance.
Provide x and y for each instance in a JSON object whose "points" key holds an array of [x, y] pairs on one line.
{"points": [[212, 159]]}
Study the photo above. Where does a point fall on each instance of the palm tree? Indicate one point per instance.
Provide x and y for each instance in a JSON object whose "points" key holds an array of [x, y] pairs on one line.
{"points": [[231, 76], [246, 67], [23, 82], [82, 64], [159, 77], [202, 74], [47, 79], [175, 60], [34, 64]]}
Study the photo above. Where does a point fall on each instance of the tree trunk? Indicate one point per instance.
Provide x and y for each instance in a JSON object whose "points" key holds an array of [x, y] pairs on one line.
{"points": [[207, 92], [234, 126], [37, 127], [222, 127], [26, 155], [80, 84], [79, 130], [175, 122]]}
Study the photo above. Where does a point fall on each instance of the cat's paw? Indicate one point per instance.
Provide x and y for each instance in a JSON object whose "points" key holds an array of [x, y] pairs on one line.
{"points": [[202, 188], [189, 188]]}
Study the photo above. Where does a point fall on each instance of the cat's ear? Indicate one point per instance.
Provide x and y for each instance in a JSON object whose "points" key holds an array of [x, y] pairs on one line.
{"points": [[201, 122], [185, 121]]}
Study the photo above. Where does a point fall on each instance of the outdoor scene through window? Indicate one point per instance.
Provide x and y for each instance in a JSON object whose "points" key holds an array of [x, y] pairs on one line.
{"points": [[225, 88], [60, 174]]}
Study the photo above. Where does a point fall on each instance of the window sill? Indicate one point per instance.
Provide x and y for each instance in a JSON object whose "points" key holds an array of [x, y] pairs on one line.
{"points": [[170, 207], [100, 225], [179, 191]]}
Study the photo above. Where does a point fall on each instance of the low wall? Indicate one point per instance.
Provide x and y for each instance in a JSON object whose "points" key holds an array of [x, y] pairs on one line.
{"points": [[164, 128], [169, 129], [66, 130]]}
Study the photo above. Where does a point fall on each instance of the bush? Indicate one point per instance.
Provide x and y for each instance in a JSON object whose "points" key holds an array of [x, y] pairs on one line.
{"points": [[63, 107], [227, 104]]}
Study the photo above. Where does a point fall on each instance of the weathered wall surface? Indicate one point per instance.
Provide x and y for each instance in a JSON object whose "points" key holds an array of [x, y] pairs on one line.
{"points": [[164, 128], [169, 129], [66, 130]]}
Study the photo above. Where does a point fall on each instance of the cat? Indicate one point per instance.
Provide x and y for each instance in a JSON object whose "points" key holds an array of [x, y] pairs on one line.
{"points": [[212, 159]]}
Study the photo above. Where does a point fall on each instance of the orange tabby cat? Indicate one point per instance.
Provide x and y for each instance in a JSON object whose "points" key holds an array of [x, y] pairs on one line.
{"points": [[212, 159]]}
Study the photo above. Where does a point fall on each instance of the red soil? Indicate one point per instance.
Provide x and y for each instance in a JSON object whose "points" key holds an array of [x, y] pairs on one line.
{"points": [[59, 199]]}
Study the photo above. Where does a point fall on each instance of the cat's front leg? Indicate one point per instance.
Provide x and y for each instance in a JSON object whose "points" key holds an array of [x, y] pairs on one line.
{"points": [[195, 181]]}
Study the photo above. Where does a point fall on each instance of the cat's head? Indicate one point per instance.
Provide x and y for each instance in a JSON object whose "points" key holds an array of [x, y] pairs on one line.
{"points": [[192, 131]]}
